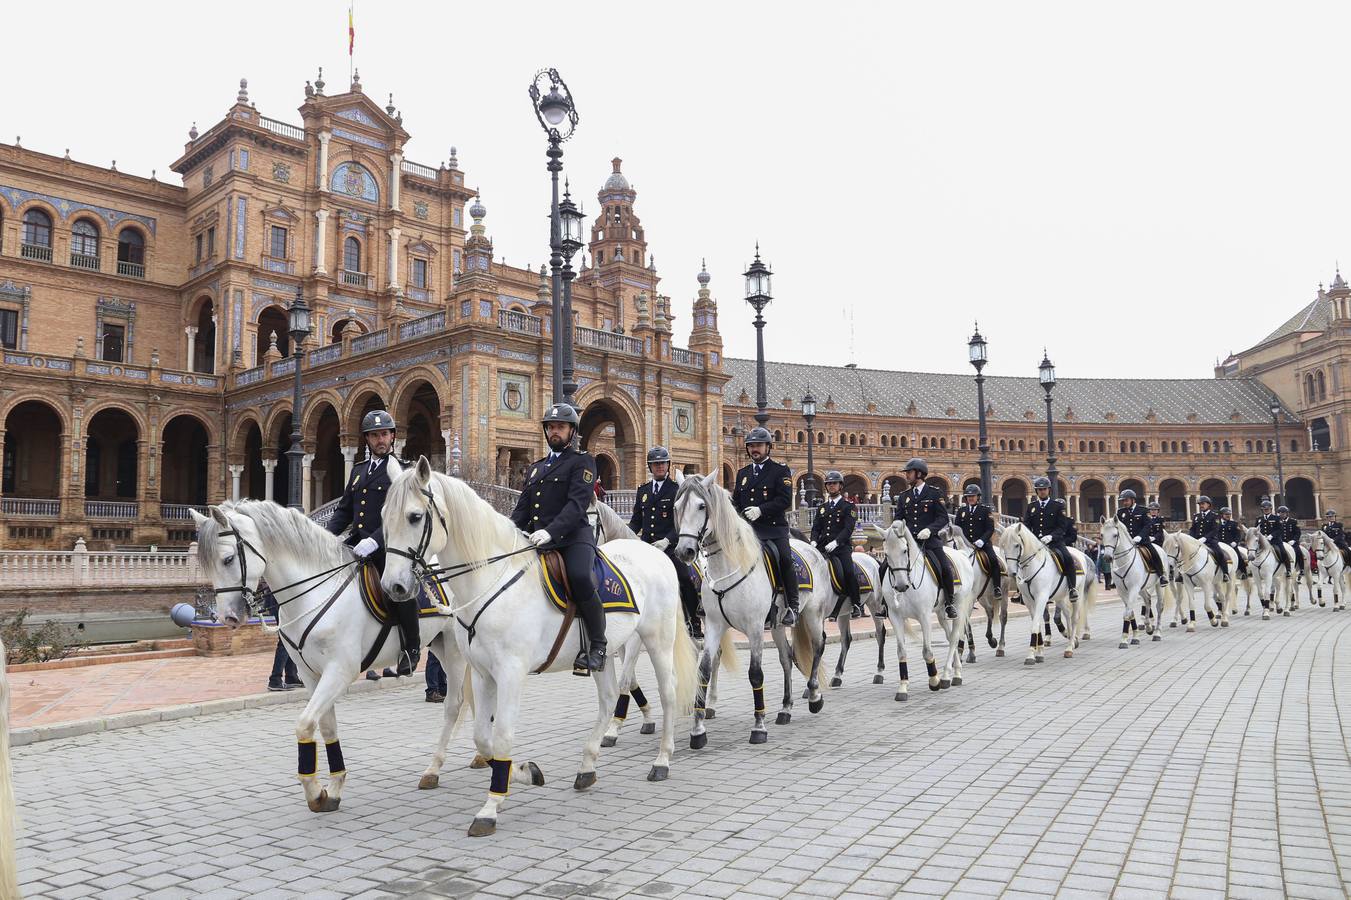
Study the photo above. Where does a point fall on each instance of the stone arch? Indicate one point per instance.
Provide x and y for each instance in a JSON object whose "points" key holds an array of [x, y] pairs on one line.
{"points": [[1013, 494], [607, 470], [728, 475], [1218, 492], [270, 320], [313, 408], [360, 400], [625, 442], [1093, 499], [418, 410], [1251, 492], [112, 440], [62, 412], [278, 421], [1173, 499], [253, 479], [402, 395], [856, 485], [213, 434], [35, 432], [323, 433], [941, 483], [142, 426], [185, 440], [1299, 496], [1142, 494]]}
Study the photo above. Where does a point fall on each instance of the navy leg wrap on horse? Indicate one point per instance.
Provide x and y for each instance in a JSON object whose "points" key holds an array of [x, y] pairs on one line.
{"points": [[639, 697], [622, 707], [335, 763], [309, 758], [905, 671], [501, 776]]}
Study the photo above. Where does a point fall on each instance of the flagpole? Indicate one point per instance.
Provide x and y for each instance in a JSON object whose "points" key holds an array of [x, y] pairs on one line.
{"points": [[351, 41]]}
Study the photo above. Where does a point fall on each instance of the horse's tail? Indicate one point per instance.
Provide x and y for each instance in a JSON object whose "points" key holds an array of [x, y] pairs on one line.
{"points": [[686, 664], [9, 872], [804, 650], [731, 663]]}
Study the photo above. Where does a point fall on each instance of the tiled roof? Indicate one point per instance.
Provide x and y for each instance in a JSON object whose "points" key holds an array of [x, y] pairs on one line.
{"points": [[1314, 317], [928, 395]]}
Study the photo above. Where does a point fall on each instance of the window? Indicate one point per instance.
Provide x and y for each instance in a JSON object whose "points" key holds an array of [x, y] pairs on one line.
{"points": [[113, 343], [1294, 446], [130, 248], [277, 242], [84, 239], [9, 329], [198, 242], [420, 273], [211, 243], [600, 257], [37, 228], [351, 255]]}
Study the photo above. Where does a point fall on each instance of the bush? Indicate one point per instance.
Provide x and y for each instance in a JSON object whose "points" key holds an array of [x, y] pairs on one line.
{"points": [[35, 643]]}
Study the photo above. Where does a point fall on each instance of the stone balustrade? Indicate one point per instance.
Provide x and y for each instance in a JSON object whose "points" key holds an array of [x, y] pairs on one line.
{"points": [[30, 363], [73, 568]]}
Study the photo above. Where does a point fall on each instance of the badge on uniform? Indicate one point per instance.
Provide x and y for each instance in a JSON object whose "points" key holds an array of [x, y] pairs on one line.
{"points": [[644, 498], [587, 476], [533, 471], [788, 481], [743, 479]]}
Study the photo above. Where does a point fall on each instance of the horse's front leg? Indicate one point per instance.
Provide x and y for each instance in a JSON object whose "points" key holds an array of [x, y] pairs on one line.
{"points": [[898, 626], [607, 692], [812, 622], [332, 683], [880, 630], [846, 639], [502, 696], [621, 711], [1036, 610], [926, 648], [1003, 623], [785, 648], [708, 663], [456, 681], [756, 674], [337, 768]]}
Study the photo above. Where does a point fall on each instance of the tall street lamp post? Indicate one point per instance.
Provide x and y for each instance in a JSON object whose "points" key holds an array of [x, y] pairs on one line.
{"points": [[558, 117], [809, 416], [300, 330], [1046, 373], [758, 296], [1280, 474], [571, 217], [978, 352]]}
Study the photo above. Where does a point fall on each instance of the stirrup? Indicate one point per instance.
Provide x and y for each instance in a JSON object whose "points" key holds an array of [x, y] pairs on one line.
{"points": [[408, 660], [589, 660], [790, 616]]}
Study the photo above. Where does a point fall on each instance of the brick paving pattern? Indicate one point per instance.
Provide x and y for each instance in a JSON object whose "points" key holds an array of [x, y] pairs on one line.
{"points": [[1208, 765]]}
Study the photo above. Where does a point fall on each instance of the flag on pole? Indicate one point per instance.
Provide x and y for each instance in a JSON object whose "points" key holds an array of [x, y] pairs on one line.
{"points": [[351, 30]]}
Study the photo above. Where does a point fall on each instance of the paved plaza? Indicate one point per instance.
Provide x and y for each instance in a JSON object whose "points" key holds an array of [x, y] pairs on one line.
{"points": [[1212, 764]]}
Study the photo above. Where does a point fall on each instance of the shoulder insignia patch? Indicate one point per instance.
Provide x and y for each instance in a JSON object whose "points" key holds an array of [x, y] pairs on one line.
{"points": [[644, 498], [587, 476], [533, 471], [788, 481], [743, 479]]}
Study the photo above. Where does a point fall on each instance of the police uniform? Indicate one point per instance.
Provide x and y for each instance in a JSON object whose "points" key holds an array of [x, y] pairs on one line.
{"points": [[926, 507], [1271, 527], [653, 520], [1136, 522], [1335, 531], [1229, 534], [555, 497], [1290, 533], [1047, 518], [835, 521], [769, 486], [977, 523], [1206, 528]]}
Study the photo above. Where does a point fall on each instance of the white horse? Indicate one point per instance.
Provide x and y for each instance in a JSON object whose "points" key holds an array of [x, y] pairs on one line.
{"points": [[872, 602], [9, 869], [1271, 579], [1136, 582], [983, 589], [913, 592], [1191, 558], [738, 594], [1331, 568], [1034, 566], [508, 627], [321, 617], [1303, 576]]}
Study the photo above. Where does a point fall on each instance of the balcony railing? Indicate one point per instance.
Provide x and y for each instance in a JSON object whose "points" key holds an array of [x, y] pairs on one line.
{"points": [[131, 269], [425, 325], [682, 357], [322, 355], [621, 502], [368, 342], [499, 497], [81, 261], [110, 509], [355, 279], [323, 513], [421, 171], [282, 128], [67, 568], [606, 340], [524, 323], [283, 366], [30, 508], [179, 511], [249, 376], [36, 251]]}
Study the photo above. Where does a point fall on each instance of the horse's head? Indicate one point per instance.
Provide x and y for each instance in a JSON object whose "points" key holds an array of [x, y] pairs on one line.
{"points": [[1111, 534], [900, 549], [696, 512], [1014, 542], [414, 525], [228, 553]]}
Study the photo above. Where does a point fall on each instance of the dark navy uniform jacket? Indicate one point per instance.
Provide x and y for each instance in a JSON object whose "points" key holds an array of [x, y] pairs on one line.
{"points": [[835, 521], [1335, 531], [1048, 520], [1154, 528], [1229, 533], [556, 496], [1290, 530], [772, 491], [654, 512], [1270, 525], [362, 501], [1206, 525], [1136, 521], [976, 523], [927, 510]]}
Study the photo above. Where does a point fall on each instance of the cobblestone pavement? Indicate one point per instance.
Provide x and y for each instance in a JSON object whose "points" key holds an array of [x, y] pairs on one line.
{"points": [[1212, 764]]}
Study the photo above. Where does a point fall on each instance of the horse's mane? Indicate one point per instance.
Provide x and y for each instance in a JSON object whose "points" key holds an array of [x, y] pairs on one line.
{"points": [[474, 527], [612, 524], [734, 533], [288, 529]]}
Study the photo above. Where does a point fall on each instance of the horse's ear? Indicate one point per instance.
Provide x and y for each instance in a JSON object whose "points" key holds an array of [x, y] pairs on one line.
{"points": [[1102, 520], [219, 516], [710, 479], [678, 477], [197, 518], [424, 470]]}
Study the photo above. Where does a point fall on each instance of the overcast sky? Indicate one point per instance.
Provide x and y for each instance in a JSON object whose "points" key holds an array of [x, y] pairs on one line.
{"points": [[1141, 187]]}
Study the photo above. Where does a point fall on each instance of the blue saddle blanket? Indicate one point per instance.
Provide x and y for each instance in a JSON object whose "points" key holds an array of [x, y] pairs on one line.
{"points": [[432, 594], [613, 587], [804, 573]]}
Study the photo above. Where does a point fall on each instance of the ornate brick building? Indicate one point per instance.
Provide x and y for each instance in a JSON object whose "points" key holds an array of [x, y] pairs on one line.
{"points": [[147, 365]]}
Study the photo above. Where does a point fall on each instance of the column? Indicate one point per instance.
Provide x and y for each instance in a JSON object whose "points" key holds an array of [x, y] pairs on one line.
{"points": [[235, 473], [269, 470], [306, 462], [445, 436], [998, 502], [320, 239], [191, 332], [1317, 506], [1191, 505], [1238, 507], [324, 137], [394, 257], [349, 455], [395, 176], [317, 486]]}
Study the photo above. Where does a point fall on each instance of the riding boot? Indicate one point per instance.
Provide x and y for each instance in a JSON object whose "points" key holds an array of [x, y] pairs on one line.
{"points": [[839, 605], [591, 658], [407, 614], [949, 591], [790, 610], [859, 611]]}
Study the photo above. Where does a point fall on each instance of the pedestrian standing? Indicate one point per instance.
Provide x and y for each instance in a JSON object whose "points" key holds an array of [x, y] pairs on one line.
{"points": [[436, 679]]}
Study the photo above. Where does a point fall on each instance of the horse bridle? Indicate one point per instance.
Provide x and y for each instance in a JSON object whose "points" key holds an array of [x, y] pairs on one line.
{"points": [[888, 568], [251, 598], [700, 537], [417, 555]]}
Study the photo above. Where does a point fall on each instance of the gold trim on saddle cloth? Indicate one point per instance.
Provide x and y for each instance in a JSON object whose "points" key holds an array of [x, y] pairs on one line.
{"points": [[373, 596], [774, 575], [614, 590], [865, 584]]}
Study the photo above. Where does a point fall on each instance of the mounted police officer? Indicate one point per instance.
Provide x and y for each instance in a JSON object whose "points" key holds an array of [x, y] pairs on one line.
{"points": [[924, 509], [1271, 527], [976, 520], [1136, 522], [360, 507], [653, 521], [1232, 535], [1333, 529], [1290, 533], [1049, 521], [763, 494], [833, 535], [1206, 528], [552, 510]]}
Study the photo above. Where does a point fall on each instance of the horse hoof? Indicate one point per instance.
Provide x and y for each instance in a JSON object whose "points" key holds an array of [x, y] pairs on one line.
{"points": [[648, 728], [1040, 659], [970, 657], [699, 741], [1191, 628], [1029, 662], [759, 737], [324, 803], [956, 681], [1158, 637], [479, 762], [935, 686], [1246, 613], [536, 776], [1214, 623], [584, 780], [1135, 642], [1121, 646], [1172, 624], [482, 827], [609, 741], [878, 679], [709, 713], [999, 652], [836, 681], [1286, 613], [1224, 623], [783, 718], [659, 773], [992, 642], [1069, 654], [944, 684], [815, 706], [1085, 636], [429, 782], [1266, 616]]}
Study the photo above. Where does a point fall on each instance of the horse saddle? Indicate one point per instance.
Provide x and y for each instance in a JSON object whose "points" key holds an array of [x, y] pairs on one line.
{"points": [[1060, 564], [934, 566], [771, 557], [431, 594], [611, 585], [865, 585], [986, 562], [1153, 561]]}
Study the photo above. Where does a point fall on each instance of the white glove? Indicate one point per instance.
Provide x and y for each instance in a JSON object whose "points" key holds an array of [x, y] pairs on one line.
{"points": [[365, 547], [1046, 539], [831, 546], [979, 544], [752, 513], [662, 544], [923, 534], [540, 538], [1136, 539]]}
